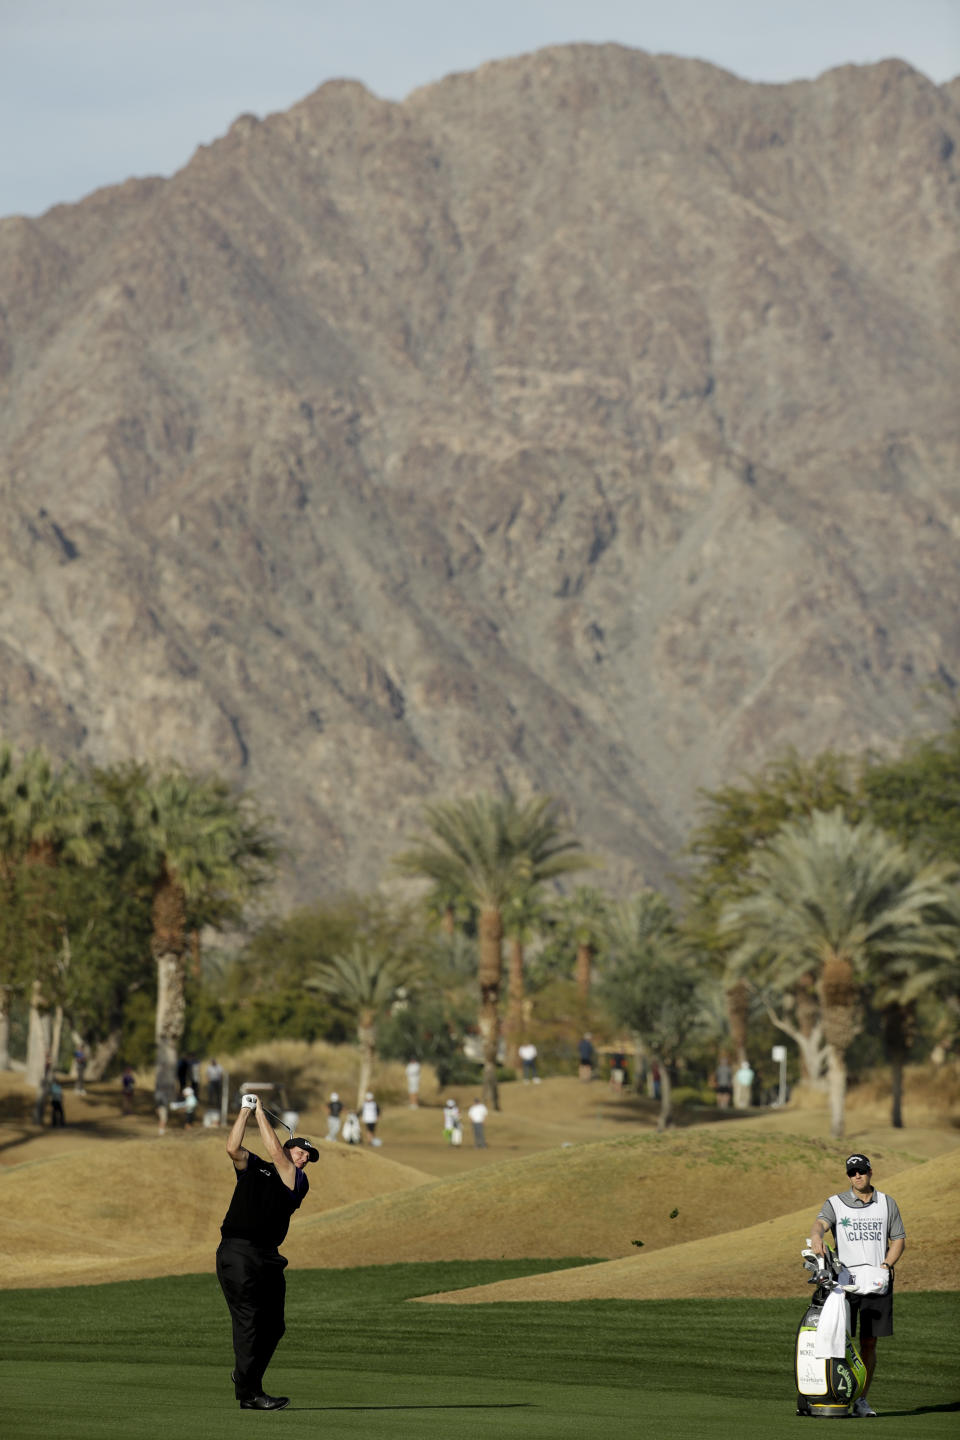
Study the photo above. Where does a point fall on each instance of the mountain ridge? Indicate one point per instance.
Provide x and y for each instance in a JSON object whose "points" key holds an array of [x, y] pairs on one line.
{"points": [[584, 422]]}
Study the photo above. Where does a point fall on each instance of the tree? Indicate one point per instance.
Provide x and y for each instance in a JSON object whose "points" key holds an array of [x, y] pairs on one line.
{"points": [[488, 850], [844, 902], [652, 985], [45, 822], [580, 923], [205, 848], [735, 822], [916, 794], [523, 917], [365, 980]]}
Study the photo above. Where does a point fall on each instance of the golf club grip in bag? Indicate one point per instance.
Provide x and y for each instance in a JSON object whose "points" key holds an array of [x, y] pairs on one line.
{"points": [[826, 1388]]}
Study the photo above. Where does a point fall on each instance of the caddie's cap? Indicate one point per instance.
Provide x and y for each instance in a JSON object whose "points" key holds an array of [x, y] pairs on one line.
{"points": [[302, 1144], [859, 1163]]}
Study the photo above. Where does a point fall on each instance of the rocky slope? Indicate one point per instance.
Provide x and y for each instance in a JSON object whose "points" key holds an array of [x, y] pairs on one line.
{"points": [[587, 421]]}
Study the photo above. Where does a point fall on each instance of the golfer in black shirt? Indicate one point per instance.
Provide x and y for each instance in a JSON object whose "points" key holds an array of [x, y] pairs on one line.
{"points": [[249, 1265]]}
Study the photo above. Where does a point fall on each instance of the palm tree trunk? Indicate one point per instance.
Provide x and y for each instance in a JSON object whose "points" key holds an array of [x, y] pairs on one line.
{"points": [[584, 971], [898, 1033], [171, 1013], [841, 1022], [39, 1035], [5, 993], [514, 1021], [837, 1091], [367, 1036], [738, 1006], [167, 943], [666, 1095], [491, 973]]}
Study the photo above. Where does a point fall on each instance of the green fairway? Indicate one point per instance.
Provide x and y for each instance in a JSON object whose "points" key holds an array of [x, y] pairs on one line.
{"points": [[149, 1359]]}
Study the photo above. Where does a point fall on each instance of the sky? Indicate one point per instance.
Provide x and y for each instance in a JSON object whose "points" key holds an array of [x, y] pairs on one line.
{"points": [[94, 91]]}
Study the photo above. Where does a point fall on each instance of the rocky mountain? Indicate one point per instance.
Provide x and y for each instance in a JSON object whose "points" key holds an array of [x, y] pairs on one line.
{"points": [[588, 421]]}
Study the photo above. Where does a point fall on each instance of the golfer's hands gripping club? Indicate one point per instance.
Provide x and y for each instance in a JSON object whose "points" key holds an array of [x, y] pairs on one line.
{"points": [[249, 1102]]}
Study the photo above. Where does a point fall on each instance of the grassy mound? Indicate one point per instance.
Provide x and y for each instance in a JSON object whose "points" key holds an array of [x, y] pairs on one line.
{"points": [[759, 1260], [600, 1199], [120, 1210]]}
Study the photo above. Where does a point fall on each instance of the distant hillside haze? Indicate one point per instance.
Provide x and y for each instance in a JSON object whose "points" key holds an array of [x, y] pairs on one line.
{"points": [[586, 422]]}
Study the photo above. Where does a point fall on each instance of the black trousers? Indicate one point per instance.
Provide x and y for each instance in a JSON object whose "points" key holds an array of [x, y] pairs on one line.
{"points": [[254, 1288]]}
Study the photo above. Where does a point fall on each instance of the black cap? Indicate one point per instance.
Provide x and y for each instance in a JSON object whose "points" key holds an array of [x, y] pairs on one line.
{"points": [[302, 1144], [858, 1163]]}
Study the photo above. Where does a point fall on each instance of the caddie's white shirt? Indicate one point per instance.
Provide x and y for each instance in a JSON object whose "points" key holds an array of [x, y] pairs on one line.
{"points": [[861, 1232], [477, 1113]]}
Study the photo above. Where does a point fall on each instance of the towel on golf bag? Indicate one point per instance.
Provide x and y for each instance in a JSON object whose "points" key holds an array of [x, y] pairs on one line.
{"points": [[830, 1341], [868, 1280]]}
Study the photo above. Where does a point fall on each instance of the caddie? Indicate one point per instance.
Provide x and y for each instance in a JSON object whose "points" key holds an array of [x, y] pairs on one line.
{"points": [[869, 1237]]}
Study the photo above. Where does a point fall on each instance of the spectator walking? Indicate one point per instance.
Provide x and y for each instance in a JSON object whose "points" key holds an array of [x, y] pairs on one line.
{"points": [[453, 1134], [477, 1115], [618, 1072], [57, 1117], [528, 1060], [587, 1056], [370, 1114], [413, 1072], [334, 1111]]}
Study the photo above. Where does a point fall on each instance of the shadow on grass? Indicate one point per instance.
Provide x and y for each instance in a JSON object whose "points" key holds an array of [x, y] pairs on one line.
{"points": [[949, 1409], [494, 1405]]}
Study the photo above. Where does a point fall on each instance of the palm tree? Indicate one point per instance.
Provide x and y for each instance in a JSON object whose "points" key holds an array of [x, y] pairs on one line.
{"points": [[45, 821], [524, 917], [581, 921], [488, 850], [652, 985], [844, 901], [205, 848], [365, 980]]}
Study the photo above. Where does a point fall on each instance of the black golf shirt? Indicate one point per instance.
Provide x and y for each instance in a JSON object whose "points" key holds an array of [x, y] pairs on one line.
{"points": [[262, 1205]]}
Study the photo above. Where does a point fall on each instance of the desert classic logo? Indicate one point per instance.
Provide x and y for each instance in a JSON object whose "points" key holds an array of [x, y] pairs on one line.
{"points": [[861, 1231]]}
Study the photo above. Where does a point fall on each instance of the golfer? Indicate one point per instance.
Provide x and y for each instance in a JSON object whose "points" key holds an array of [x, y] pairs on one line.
{"points": [[249, 1265], [868, 1230]]}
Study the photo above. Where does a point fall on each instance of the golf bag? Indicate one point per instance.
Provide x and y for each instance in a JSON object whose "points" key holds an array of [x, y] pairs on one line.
{"points": [[826, 1389]]}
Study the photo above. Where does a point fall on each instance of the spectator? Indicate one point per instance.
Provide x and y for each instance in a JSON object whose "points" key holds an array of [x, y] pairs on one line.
{"points": [[370, 1114], [743, 1085], [528, 1059], [413, 1082], [214, 1085], [188, 1105], [723, 1082], [587, 1056], [127, 1087], [334, 1111], [451, 1123], [184, 1074], [477, 1115], [618, 1071], [351, 1129], [57, 1118]]}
